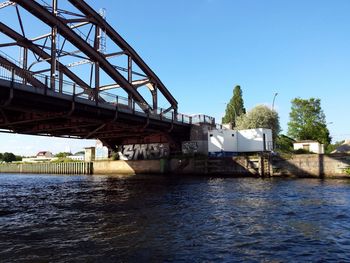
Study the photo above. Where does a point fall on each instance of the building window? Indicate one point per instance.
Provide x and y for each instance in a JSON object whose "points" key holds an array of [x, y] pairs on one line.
{"points": [[306, 147]]}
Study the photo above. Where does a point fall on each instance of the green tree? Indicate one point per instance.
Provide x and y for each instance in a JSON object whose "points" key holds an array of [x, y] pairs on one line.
{"points": [[1, 157], [63, 154], [235, 107], [308, 122], [9, 157], [333, 146], [284, 143], [260, 117]]}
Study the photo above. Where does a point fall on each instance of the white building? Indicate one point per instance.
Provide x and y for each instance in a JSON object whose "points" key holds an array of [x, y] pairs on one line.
{"points": [[231, 142], [77, 157], [310, 146], [344, 148], [101, 151], [43, 156]]}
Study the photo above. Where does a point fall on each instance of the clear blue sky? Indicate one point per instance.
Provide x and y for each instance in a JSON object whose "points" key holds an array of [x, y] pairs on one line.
{"points": [[201, 49]]}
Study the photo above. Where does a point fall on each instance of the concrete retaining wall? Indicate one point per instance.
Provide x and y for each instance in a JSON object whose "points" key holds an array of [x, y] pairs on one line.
{"points": [[308, 165], [313, 165], [225, 166], [128, 167], [233, 166]]}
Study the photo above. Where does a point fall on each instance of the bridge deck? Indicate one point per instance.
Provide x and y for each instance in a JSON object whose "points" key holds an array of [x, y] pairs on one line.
{"points": [[28, 110]]}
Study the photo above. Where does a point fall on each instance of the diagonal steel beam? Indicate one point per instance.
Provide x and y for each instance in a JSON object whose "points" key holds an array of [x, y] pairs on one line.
{"points": [[5, 4], [24, 42], [54, 21], [25, 74], [102, 23]]}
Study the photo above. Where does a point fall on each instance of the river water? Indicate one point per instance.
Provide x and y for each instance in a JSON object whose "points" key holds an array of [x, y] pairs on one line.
{"points": [[172, 219]]}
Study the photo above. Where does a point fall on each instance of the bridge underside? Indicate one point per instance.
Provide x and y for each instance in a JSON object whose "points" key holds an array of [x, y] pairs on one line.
{"points": [[38, 112], [80, 79]]}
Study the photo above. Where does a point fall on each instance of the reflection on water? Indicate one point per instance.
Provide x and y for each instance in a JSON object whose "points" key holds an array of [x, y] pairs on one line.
{"points": [[153, 218]]}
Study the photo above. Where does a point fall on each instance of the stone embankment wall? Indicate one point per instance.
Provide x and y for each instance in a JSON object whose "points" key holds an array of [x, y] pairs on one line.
{"points": [[127, 167], [226, 166], [312, 165]]}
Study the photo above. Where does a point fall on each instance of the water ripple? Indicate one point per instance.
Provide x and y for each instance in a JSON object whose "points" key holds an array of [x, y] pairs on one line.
{"points": [[167, 219]]}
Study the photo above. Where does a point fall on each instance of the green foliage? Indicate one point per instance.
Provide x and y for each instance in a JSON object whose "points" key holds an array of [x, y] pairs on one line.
{"points": [[333, 146], [65, 160], [260, 117], [235, 107], [8, 157], [347, 171], [63, 154], [284, 144], [308, 122], [115, 156], [302, 151]]}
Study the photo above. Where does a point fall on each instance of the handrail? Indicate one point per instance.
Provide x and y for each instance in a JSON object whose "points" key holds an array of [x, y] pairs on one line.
{"points": [[123, 103]]}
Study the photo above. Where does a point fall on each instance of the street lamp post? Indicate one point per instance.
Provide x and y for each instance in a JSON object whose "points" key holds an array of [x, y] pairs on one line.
{"points": [[273, 101]]}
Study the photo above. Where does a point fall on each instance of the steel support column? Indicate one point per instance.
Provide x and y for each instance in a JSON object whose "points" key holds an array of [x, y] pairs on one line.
{"points": [[97, 43], [53, 48]]}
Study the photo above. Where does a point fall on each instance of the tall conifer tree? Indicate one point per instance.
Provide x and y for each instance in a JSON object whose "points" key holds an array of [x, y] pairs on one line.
{"points": [[235, 107]]}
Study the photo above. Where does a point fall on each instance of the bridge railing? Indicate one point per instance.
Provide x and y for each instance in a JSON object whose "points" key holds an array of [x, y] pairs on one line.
{"points": [[104, 98], [201, 118]]}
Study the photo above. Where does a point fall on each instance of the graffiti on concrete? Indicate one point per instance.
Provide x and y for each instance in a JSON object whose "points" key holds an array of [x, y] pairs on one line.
{"points": [[145, 151], [190, 147]]}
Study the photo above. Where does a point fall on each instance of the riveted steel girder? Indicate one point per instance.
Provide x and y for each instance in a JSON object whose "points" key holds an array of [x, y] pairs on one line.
{"points": [[62, 27], [24, 42], [95, 18], [25, 74]]}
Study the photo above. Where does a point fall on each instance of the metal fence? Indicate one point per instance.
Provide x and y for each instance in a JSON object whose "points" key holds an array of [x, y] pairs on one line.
{"points": [[48, 168]]}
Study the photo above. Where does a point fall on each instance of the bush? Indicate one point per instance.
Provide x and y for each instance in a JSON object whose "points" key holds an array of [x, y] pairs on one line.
{"points": [[284, 144], [302, 151], [115, 156], [65, 160], [9, 157]]}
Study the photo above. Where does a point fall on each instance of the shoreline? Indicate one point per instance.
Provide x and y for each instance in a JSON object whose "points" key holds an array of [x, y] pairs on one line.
{"points": [[297, 166]]}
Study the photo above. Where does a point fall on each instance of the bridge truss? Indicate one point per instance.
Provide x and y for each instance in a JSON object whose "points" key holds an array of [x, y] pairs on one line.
{"points": [[77, 37], [66, 47]]}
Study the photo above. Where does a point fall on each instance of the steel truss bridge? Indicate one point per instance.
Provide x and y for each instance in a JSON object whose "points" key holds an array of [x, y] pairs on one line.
{"points": [[66, 72]]}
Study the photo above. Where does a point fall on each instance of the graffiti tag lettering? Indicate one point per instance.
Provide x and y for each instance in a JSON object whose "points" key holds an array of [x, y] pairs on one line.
{"points": [[145, 151]]}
